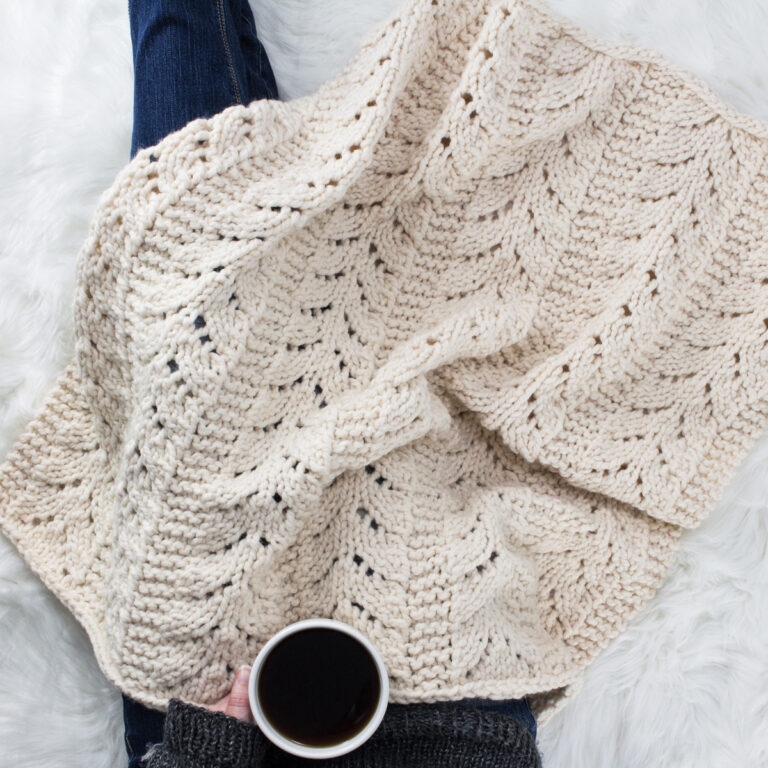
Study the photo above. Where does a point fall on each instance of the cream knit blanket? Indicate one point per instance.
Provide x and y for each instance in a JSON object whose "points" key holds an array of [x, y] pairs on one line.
{"points": [[450, 351]]}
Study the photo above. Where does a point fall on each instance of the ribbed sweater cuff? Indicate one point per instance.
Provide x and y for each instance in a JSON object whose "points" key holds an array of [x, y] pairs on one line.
{"points": [[438, 735], [196, 737], [446, 734]]}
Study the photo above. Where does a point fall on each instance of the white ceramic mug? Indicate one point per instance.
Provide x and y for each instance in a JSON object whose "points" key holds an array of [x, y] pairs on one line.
{"points": [[303, 750]]}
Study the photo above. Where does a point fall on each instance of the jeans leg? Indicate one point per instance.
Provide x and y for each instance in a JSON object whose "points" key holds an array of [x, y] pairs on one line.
{"points": [[143, 727], [250, 60], [517, 708], [192, 58]]}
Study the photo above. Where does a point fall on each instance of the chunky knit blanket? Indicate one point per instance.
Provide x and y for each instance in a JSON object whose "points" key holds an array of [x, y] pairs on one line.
{"points": [[451, 351]]}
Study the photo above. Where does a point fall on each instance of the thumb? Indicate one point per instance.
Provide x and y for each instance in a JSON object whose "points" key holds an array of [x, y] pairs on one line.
{"points": [[238, 704]]}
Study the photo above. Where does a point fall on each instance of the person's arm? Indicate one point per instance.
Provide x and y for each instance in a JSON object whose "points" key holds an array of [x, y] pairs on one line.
{"points": [[219, 735], [437, 735], [195, 737]]}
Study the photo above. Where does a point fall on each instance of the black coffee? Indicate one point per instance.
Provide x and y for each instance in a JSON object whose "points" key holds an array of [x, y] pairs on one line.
{"points": [[319, 687]]}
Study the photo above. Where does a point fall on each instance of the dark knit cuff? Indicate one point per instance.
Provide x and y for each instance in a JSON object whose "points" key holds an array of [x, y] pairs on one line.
{"points": [[441, 735], [196, 737], [445, 734]]}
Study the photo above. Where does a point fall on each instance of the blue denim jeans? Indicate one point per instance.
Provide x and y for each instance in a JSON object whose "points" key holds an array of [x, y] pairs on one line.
{"points": [[194, 58]]}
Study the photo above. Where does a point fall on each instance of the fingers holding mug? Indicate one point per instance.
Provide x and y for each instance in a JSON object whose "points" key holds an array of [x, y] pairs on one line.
{"points": [[236, 703], [239, 705]]}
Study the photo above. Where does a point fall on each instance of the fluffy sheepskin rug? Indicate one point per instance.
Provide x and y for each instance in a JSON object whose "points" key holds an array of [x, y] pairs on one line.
{"points": [[686, 685]]}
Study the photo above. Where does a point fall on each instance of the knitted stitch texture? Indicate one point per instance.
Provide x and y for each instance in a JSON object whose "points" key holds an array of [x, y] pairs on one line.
{"points": [[450, 351]]}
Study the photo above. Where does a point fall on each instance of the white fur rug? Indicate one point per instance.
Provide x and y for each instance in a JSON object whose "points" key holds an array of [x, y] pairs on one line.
{"points": [[686, 685]]}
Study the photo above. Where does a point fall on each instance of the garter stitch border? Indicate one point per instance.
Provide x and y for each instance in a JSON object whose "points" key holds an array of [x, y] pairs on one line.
{"points": [[451, 350]]}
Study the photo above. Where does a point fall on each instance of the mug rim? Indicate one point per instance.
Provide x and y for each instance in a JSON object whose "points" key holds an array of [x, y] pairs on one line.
{"points": [[303, 750]]}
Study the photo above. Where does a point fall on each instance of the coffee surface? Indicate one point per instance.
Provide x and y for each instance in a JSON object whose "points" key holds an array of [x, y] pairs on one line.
{"points": [[319, 687]]}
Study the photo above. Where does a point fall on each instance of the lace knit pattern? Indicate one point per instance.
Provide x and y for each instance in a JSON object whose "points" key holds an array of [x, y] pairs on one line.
{"points": [[450, 351]]}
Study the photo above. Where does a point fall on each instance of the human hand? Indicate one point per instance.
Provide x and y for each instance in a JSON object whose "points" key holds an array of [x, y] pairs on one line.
{"points": [[236, 703]]}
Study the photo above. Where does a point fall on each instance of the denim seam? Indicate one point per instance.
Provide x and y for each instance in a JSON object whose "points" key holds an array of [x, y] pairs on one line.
{"points": [[227, 49], [251, 33]]}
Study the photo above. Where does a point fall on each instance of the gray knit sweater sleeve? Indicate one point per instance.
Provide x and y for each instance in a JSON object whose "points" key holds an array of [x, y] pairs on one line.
{"points": [[442, 735]]}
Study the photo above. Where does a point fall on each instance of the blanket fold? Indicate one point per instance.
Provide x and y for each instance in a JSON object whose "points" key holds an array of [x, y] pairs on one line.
{"points": [[451, 350]]}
